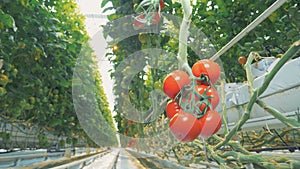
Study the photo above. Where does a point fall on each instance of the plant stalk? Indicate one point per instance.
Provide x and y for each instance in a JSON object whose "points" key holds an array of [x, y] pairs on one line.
{"points": [[183, 36], [293, 50], [289, 122]]}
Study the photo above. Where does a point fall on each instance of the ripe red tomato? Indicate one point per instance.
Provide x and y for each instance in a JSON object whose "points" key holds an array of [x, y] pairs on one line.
{"points": [[137, 23], [156, 18], [162, 5], [131, 142], [174, 82], [208, 68], [210, 123], [214, 100], [185, 127], [172, 108]]}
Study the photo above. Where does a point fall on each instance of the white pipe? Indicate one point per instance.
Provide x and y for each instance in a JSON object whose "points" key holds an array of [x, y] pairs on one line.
{"points": [[251, 26]]}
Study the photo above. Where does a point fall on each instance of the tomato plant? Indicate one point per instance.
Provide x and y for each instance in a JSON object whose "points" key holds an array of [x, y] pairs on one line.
{"points": [[174, 82], [172, 108], [185, 127], [225, 19], [207, 68], [210, 123]]}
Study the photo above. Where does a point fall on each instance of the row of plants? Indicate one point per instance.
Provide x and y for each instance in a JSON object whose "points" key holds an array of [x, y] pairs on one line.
{"points": [[40, 43]]}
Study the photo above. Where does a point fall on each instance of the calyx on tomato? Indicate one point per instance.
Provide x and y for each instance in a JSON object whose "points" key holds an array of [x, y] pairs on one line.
{"points": [[197, 100], [211, 93], [207, 68]]}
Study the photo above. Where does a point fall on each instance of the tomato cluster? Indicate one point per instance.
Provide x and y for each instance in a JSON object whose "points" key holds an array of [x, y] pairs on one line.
{"points": [[148, 18], [131, 142], [193, 100]]}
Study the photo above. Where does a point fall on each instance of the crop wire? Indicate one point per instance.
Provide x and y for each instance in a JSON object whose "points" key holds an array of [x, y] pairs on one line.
{"points": [[251, 26]]}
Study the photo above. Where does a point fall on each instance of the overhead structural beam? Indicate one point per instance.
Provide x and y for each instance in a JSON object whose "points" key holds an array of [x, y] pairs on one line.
{"points": [[95, 15], [251, 26]]}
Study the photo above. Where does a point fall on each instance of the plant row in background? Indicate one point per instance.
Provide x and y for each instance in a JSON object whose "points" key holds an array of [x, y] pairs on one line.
{"points": [[40, 42]]}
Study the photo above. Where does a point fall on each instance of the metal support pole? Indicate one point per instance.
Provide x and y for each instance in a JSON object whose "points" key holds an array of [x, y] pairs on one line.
{"points": [[251, 26]]}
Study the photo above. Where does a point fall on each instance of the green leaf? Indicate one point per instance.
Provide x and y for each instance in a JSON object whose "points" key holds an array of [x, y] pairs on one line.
{"points": [[221, 4], [8, 20], [24, 2], [273, 17], [108, 9], [104, 2]]}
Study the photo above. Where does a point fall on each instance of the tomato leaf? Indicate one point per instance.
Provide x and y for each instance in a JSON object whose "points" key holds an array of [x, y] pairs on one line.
{"points": [[108, 9], [104, 2], [8, 20]]}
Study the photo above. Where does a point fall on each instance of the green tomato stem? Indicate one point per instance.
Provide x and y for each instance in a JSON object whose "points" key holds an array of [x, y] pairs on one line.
{"points": [[183, 36], [294, 49], [289, 122]]}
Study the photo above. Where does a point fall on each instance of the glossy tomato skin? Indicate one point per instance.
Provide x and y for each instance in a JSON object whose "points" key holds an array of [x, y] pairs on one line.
{"points": [[242, 60], [172, 108], [208, 68], [211, 123], [156, 18], [214, 101], [139, 24], [174, 82], [185, 127], [162, 4]]}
